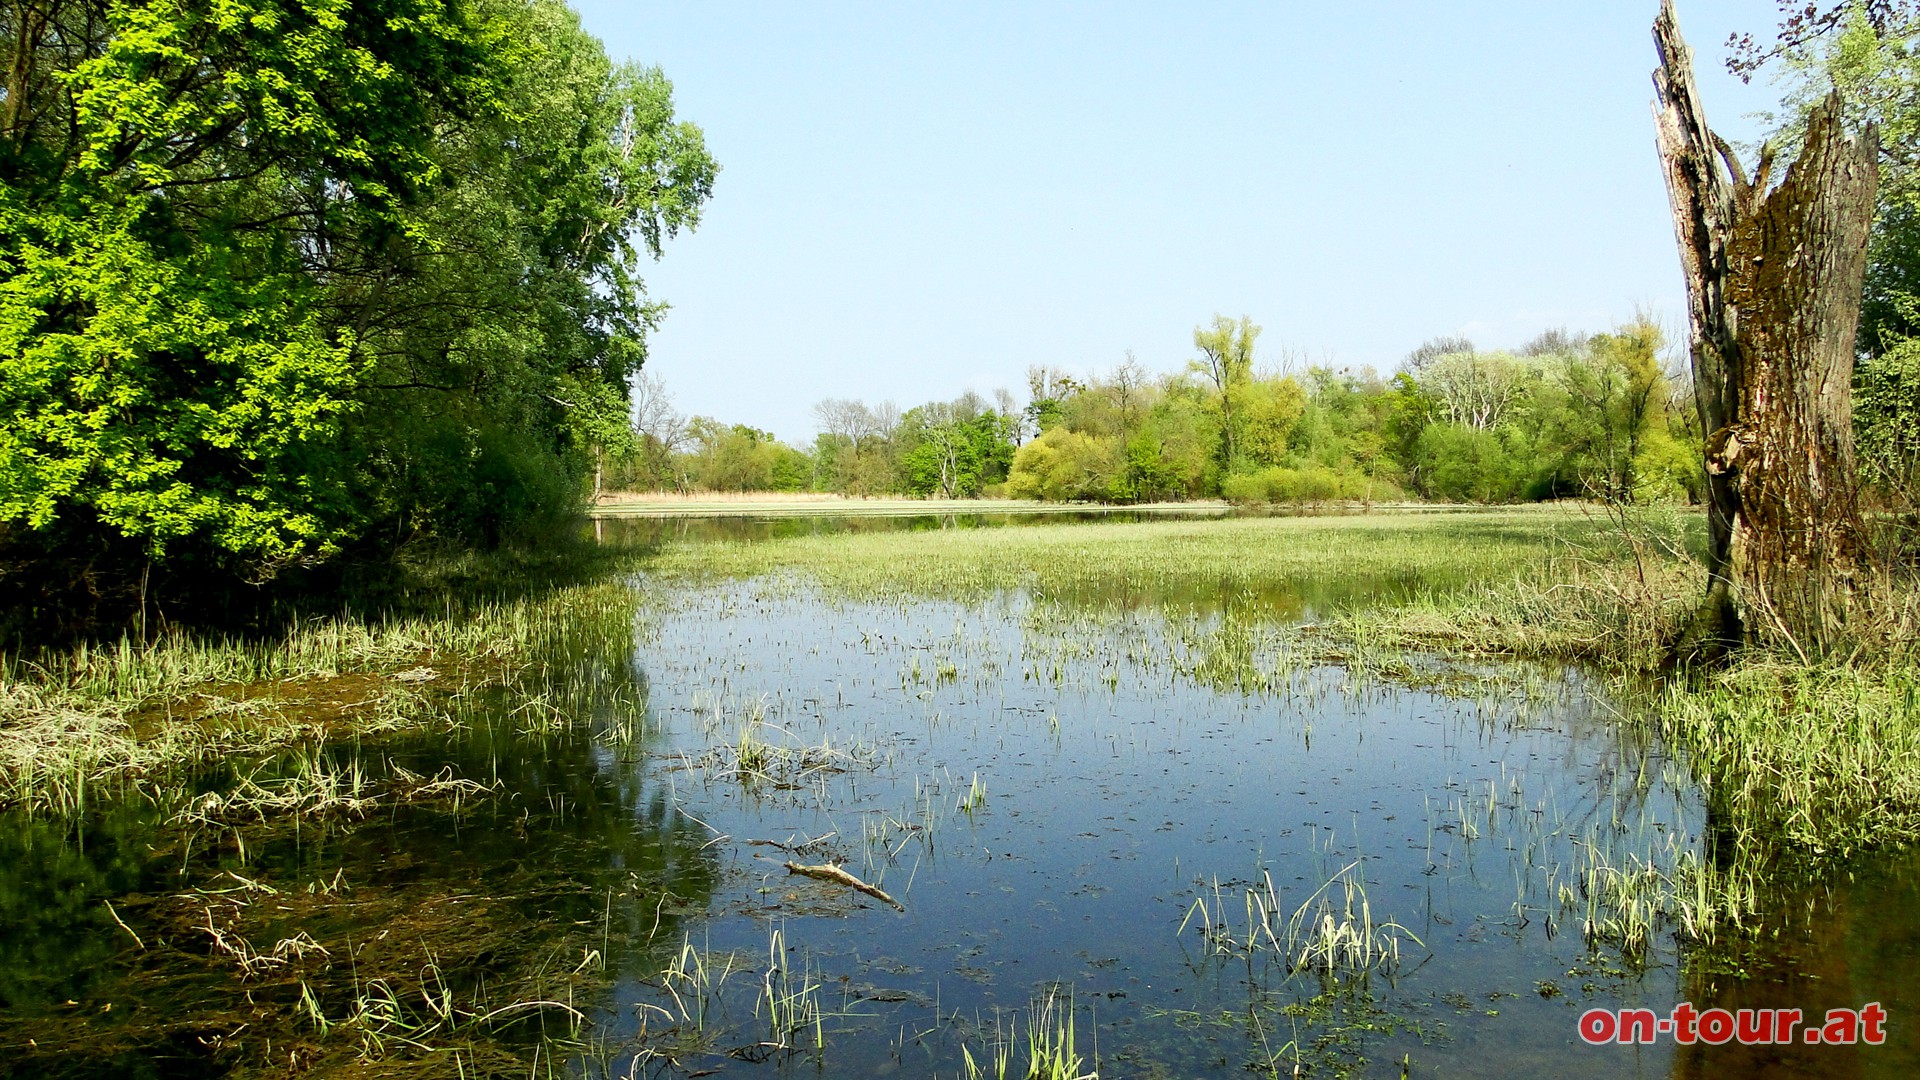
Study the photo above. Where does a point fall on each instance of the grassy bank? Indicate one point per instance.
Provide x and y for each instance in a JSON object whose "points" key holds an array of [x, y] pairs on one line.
{"points": [[1173, 558], [99, 720], [1801, 758]]}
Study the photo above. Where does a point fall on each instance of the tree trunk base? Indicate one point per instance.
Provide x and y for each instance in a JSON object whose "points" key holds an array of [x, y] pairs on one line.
{"points": [[1712, 633]]}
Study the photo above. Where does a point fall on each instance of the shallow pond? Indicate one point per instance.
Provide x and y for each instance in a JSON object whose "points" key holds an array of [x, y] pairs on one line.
{"points": [[1172, 831]]}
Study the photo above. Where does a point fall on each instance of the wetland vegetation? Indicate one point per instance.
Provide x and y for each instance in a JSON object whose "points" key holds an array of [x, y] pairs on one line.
{"points": [[1306, 795], [334, 744]]}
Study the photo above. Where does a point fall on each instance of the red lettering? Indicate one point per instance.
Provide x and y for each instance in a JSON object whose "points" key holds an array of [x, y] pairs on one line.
{"points": [[1637, 1025], [1597, 1026], [1843, 1027], [1683, 1017], [1784, 1021], [1756, 1026], [1716, 1026], [1872, 1016]]}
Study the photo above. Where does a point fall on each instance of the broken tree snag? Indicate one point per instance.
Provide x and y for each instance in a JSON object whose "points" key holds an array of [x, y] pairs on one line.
{"points": [[1773, 289], [832, 873]]}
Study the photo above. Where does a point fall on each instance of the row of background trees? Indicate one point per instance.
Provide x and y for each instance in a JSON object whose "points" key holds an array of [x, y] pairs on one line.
{"points": [[1605, 415], [1609, 415]]}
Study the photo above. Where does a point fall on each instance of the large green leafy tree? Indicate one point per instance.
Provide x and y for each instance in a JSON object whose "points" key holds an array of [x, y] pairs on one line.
{"points": [[1615, 393], [171, 183], [504, 342], [953, 451], [280, 276], [1226, 362]]}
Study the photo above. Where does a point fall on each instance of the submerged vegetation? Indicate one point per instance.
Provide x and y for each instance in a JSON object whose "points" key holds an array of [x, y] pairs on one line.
{"points": [[1799, 758], [234, 749], [92, 722]]}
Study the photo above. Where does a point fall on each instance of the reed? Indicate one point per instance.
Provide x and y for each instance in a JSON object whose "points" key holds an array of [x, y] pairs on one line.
{"points": [[1042, 1045], [1332, 932], [102, 722]]}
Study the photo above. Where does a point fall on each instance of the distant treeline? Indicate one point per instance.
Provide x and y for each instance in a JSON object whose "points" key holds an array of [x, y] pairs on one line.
{"points": [[1604, 416]]}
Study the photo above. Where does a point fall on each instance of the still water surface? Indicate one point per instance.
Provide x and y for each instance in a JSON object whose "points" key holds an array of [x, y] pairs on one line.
{"points": [[1062, 801]]}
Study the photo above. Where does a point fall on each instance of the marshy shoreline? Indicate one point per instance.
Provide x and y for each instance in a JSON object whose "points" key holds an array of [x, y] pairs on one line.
{"points": [[229, 749]]}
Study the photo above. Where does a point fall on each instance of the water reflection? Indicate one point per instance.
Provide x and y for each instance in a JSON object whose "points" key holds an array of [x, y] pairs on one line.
{"points": [[1049, 783], [573, 858], [1839, 942]]}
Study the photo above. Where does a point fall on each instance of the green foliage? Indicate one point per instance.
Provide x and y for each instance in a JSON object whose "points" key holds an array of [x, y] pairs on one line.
{"points": [[1064, 466], [1309, 484], [1269, 411], [1669, 468], [1615, 390], [1571, 416], [1226, 363], [1886, 416], [283, 276], [1875, 65], [954, 450], [1467, 464], [741, 458], [169, 366]]}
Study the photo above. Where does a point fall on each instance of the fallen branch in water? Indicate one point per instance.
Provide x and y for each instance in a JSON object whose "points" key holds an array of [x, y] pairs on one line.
{"points": [[841, 877], [792, 848]]}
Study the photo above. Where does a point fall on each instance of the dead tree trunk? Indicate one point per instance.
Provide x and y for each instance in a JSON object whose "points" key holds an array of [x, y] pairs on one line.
{"points": [[1773, 285]]}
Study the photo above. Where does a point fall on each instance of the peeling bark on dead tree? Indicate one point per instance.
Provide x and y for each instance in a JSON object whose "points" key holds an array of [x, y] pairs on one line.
{"points": [[1773, 284]]}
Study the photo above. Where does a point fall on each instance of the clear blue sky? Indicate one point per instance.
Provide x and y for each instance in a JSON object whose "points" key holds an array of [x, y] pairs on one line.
{"points": [[916, 200]]}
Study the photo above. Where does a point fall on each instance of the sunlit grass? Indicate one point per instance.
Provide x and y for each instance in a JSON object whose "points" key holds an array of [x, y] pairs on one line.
{"points": [[1331, 932], [1823, 759], [96, 722], [1159, 563], [1041, 1045]]}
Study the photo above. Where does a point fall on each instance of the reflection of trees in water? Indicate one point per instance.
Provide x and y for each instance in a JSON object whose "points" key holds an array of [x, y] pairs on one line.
{"points": [[574, 850], [54, 876], [1839, 941]]}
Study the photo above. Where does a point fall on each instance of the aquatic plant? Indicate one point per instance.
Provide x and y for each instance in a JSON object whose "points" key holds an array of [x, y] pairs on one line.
{"points": [[1331, 932], [1039, 1046], [790, 1001], [95, 723]]}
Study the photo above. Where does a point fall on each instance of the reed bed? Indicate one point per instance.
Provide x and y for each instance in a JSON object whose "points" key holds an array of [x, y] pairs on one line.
{"points": [[99, 722]]}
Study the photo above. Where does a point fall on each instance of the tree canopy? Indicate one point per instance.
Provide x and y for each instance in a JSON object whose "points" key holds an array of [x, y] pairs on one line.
{"points": [[280, 278]]}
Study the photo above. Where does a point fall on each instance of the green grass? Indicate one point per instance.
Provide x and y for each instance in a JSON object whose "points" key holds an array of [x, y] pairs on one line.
{"points": [[1332, 932], [1821, 759], [1041, 1048], [1158, 563], [97, 722]]}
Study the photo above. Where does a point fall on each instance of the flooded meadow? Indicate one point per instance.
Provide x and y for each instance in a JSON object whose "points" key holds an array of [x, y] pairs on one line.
{"points": [[953, 798]]}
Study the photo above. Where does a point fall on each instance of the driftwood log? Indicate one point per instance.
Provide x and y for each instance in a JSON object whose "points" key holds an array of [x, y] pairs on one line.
{"points": [[829, 872], [1774, 285]]}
